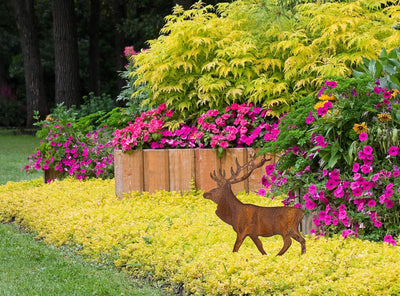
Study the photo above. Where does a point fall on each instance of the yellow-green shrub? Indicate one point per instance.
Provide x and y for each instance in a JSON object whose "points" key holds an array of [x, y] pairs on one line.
{"points": [[179, 239], [258, 51]]}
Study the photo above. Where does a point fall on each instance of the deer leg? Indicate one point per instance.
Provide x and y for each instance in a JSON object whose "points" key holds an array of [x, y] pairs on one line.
{"points": [[239, 240], [287, 241], [301, 240], [258, 243]]}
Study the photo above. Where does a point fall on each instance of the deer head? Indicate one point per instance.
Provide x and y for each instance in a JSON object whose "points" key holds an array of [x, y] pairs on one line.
{"points": [[224, 184]]}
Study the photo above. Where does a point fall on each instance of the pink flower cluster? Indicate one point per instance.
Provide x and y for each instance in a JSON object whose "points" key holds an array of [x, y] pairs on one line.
{"points": [[239, 126], [81, 156], [365, 189], [365, 197], [148, 131], [129, 51]]}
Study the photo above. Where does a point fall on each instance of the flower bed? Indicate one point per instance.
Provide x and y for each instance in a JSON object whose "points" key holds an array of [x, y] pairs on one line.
{"points": [[178, 239], [343, 151]]}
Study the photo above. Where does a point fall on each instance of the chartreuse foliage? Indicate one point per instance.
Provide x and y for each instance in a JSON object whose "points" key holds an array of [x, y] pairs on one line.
{"points": [[178, 239], [258, 51]]}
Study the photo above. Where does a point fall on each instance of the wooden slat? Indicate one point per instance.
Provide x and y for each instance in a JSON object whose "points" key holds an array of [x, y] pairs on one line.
{"points": [[128, 172], [156, 170], [181, 169], [206, 162]]}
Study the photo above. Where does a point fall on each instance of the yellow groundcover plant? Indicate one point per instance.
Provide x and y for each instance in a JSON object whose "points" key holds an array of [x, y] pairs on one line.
{"points": [[179, 240]]}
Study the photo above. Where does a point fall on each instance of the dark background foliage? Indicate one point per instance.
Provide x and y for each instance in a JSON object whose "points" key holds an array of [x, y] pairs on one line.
{"points": [[120, 23]]}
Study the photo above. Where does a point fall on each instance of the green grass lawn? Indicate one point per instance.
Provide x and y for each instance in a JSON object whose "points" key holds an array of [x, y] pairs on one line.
{"points": [[14, 151], [30, 267]]}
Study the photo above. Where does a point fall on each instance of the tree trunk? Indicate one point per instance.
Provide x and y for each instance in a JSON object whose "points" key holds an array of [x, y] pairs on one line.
{"points": [[94, 50], [119, 7], [186, 4], [33, 71], [66, 58]]}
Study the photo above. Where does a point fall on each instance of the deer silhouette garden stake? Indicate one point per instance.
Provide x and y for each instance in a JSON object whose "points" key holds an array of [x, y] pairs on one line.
{"points": [[252, 220]]}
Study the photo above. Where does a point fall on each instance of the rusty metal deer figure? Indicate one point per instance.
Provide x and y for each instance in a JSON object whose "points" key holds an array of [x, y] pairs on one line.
{"points": [[251, 220]]}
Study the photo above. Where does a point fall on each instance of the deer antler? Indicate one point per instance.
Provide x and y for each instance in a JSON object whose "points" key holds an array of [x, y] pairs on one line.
{"points": [[251, 167], [220, 179]]}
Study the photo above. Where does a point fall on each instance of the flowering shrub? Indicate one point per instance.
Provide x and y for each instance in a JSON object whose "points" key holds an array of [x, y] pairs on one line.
{"points": [[239, 126], [341, 155], [183, 243], [70, 150]]}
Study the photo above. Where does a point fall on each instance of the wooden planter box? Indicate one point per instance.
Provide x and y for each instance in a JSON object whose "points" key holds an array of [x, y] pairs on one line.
{"points": [[174, 169], [50, 174]]}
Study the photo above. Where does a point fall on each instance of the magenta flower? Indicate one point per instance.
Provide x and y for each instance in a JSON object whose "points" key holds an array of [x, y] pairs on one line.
{"points": [[363, 137], [387, 95], [368, 150], [322, 111], [393, 151], [298, 205], [356, 167], [357, 192], [371, 203], [328, 220], [310, 118], [312, 189], [269, 169], [389, 204], [366, 169], [310, 205], [347, 232], [338, 193], [389, 239], [262, 192], [331, 84]]}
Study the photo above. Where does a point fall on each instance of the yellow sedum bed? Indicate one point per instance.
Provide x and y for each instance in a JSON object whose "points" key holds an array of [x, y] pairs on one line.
{"points": [[178, 239]]}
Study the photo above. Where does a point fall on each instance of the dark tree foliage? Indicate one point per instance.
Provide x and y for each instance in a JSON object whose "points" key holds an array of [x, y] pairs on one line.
{"points": [[103, 29]]}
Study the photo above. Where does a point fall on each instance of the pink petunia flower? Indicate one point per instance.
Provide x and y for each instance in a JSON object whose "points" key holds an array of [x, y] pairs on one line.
{"points": [[262, 192], [356, 167], [368, 150], [392, 151], [363, 137]]}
